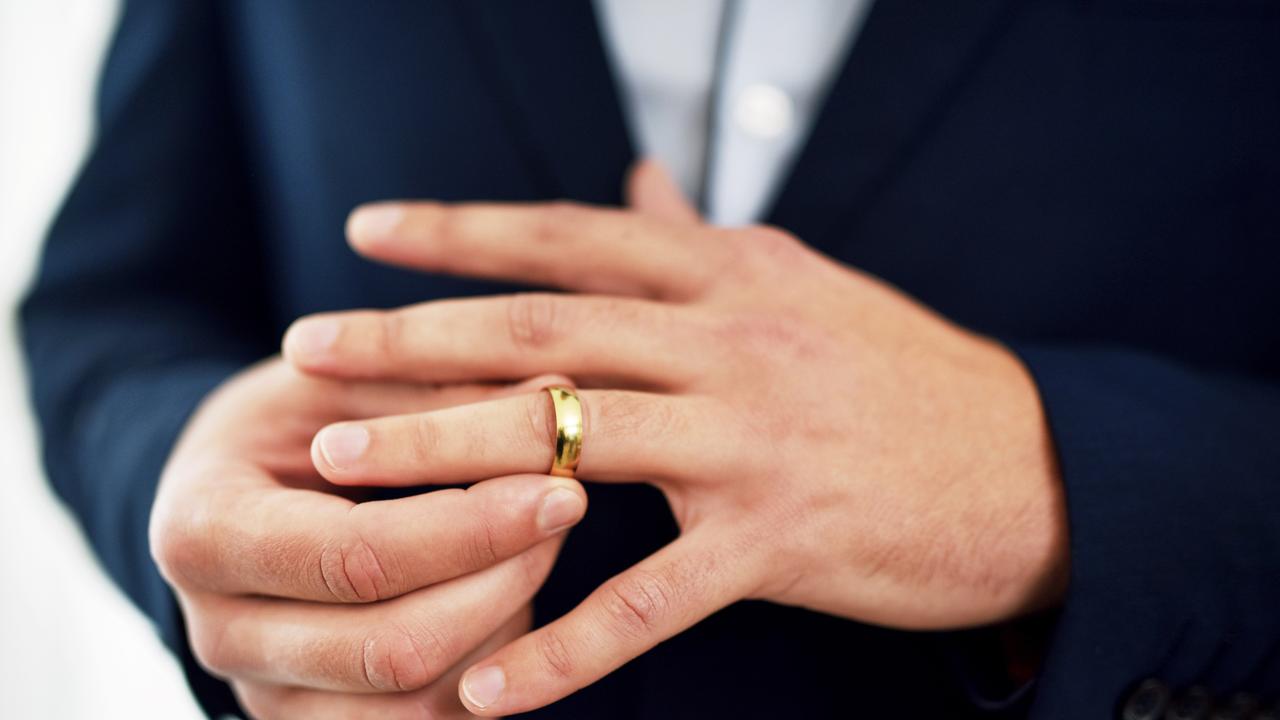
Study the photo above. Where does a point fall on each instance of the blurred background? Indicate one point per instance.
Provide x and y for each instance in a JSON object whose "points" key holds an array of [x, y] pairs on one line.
{"points": [[71, 646]]}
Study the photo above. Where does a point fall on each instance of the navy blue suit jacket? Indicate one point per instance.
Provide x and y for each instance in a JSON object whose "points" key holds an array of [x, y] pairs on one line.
{"points": [[1094, 182]]}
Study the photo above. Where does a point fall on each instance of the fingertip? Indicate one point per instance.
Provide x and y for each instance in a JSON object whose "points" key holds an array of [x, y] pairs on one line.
{"points": [[336, 448], [652, 190], [638, 177], [561, 507], [371, 224], [544, 381], [481, 688], [548, 505], [309, 339]]}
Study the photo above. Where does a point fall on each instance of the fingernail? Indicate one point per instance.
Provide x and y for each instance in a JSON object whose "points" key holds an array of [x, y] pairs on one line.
{"points": [[484, 687], [374, 222], [342, 445], [560, 508], [314, 337]]}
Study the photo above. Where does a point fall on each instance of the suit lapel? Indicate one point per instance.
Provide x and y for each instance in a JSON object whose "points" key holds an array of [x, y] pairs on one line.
{"points": [[906, 65], [549, 64]]}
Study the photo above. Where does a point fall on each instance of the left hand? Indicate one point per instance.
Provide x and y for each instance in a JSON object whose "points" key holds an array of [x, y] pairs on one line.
{"points": [[824, 440]]}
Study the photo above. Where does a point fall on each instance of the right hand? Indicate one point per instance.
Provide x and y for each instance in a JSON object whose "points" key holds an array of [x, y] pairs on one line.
{"points": [[313, 605]]}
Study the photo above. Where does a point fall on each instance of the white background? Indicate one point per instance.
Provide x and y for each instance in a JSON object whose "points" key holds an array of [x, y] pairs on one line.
{"points": [[71, 646]]}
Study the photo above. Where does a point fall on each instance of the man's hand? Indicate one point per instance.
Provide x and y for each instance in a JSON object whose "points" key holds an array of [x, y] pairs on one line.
{"points": [[314, 606], [823, 440]]}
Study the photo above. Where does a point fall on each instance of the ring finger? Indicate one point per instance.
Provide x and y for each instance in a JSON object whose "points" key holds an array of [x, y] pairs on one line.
{"points": [[628, 437]]}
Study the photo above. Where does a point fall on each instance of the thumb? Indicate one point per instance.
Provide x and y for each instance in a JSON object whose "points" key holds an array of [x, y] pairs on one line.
{"points": [[651, 190]]}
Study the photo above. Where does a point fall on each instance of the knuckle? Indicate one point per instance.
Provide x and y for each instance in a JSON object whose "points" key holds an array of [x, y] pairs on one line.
{"points": [[171, 550], [353, 572], [763, 251], [208, 644], [754, 329], [550, 222], [638, 602], [769, 337], [396, 659], [179, 546], [623, 414], [449, 223], [255, 701], [427, 438], [483, 545], [531, 320], [553, 653], [541, 422], [771, 242], [391, 336]]}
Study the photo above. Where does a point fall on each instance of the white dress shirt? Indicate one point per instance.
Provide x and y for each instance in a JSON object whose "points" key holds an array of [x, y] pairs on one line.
{"points": [[769, 64]]}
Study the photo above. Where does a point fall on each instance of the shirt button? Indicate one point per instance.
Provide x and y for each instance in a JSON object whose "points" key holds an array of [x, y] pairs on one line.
{"points": [[763, 111]]}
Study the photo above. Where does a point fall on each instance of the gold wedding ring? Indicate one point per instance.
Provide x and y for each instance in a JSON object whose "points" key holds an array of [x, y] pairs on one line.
{"points": [[568, 430]]}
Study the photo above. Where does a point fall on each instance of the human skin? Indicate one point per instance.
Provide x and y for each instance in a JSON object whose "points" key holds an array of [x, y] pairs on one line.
{"points": [[315, 606], [824, 440]]}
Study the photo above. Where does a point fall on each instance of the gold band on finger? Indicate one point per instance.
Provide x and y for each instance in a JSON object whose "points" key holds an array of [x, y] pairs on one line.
{"points": [[568, 430]]}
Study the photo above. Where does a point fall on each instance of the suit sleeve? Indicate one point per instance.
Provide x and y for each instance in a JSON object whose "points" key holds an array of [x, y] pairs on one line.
{"points": [[1172, 479], [149, 293]]}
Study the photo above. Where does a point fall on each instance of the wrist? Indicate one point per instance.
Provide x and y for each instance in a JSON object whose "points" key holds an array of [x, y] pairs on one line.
{"points": [[1037, 529]]}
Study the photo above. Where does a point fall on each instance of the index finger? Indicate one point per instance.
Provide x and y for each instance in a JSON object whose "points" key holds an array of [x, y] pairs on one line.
{"points": [[661, 596], [564, 245], [244, 538]]}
